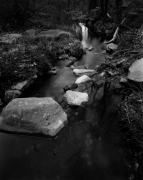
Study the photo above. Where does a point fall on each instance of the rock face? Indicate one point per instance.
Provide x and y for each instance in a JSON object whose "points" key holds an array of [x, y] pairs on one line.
{"points": [[82, 79], [9, 38], [136, 71], [33, 116], [74, 98]]}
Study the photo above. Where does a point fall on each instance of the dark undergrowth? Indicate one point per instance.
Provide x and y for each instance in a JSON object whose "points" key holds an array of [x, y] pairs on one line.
{"points": [[27, 56], [131, 123]]}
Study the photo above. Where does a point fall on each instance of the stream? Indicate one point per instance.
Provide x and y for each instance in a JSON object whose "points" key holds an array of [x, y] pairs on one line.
{"points": [[88, 148]]}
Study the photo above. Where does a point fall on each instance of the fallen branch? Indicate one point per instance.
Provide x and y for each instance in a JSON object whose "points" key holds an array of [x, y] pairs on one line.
{"points": [[121, 51], [116, 33]]}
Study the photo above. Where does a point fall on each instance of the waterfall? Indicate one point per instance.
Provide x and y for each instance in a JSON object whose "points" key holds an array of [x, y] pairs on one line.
{"points": [[85, 38]]}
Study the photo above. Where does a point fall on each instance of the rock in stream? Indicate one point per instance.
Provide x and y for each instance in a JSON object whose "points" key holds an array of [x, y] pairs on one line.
{"points": [[42, 116]]}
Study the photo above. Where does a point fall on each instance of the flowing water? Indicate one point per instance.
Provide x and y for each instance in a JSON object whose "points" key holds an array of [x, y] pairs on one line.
{"points": [[88, 148]]}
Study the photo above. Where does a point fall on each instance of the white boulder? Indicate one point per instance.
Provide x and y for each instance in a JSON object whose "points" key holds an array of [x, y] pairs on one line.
{"points": [[136, 71], [33, 116], [74, 98], [83, 71], [82, 79]]}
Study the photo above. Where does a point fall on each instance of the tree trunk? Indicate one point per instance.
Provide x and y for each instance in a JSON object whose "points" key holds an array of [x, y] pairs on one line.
{"points": [[92, 5], [118, 11], [69, 3], [104, 7]]}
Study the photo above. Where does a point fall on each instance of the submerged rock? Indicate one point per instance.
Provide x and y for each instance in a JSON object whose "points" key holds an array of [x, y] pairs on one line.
{"points": [[82, 79], [33, 116], [136, 71], [74, 98]]}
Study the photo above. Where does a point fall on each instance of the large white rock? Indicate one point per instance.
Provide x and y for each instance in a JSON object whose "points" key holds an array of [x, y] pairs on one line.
{"points": [[9, 38], [83, 71], [136, 71], [74, 98], [33, 116], [82, 79]]}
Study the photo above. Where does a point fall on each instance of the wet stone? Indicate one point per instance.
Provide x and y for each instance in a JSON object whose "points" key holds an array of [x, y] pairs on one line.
{"points": [[74, 98], [42, 116]]}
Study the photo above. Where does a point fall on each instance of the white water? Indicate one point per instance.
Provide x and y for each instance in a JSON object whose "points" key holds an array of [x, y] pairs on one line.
{"points": [[85, 37]]}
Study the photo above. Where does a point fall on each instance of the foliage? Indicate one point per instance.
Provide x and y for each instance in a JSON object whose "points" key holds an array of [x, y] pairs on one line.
{"points": [[22, 59], [131, 122]]}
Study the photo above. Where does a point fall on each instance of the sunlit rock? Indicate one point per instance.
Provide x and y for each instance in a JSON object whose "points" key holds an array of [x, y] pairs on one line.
{"points": [[9, 38], [82, 79], [136, 71], [83, 71], [33, 116], [74, 98]]}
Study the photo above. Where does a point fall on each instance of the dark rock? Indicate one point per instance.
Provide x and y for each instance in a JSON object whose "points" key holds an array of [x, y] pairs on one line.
{"points": [[69, 63], [11, 94], [70, 87], [73, 86], [66, 88]]}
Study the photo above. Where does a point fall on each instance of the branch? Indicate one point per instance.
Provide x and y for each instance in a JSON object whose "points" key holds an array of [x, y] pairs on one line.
{"points": [[116, 32]]}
